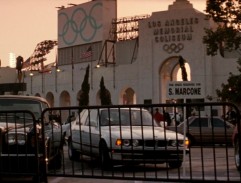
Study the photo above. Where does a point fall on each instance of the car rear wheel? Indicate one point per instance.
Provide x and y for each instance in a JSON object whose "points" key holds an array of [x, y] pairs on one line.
{"points": [[73, 154], [175, 164], [105, 162], [56, 162], [54, 155], [236, 155]]}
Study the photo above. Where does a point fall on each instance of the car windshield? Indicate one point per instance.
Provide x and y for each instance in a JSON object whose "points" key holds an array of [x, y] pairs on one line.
{"points": [[126, 117], [21, 104]]}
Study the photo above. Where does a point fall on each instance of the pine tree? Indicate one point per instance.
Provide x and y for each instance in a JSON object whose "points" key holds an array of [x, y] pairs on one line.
{"points": [[104, 93], [183, 68], [85, 88]]}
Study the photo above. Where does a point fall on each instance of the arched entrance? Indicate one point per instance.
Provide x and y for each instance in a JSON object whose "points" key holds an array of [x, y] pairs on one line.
{"points": [[64, 101], [170, 71], [128, 96], [50, 99]]}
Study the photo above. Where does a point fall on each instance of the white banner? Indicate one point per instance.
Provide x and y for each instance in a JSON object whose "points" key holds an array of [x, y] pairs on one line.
{"points": [[185, 90]]}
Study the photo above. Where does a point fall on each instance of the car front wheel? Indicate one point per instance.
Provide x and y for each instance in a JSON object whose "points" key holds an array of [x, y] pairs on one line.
{"points": [[56, 162], [236, 155], [105, 162], [73, 154]]}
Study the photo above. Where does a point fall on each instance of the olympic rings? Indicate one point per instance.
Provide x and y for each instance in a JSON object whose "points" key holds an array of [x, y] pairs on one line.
{"points": [[77, 25], [173, 48]]}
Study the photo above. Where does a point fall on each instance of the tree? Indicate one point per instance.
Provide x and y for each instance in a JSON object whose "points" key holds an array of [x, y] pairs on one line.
{"points": [[104, 93], [231, 91], [85, 88], [19, 66], [183, 68], [227, 15], [226, 36]]}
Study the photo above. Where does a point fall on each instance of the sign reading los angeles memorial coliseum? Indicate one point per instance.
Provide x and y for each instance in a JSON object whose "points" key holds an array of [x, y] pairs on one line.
{"points": [[173, 30]]}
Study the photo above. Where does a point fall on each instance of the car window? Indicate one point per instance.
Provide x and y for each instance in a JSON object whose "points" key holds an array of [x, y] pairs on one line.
{"points": [[91, 119], [199, 122], [125, 117], [111, 117], [217, 122], [21, 104]]}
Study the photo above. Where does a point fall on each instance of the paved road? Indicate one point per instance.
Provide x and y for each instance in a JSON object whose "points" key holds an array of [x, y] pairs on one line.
{"points": [[88, 180], [201, 163]]}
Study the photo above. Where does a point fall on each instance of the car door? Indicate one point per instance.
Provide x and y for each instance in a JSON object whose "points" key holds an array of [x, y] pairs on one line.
{"points": [[222, 131], [199, 129], [90, 133], [76, 132]]}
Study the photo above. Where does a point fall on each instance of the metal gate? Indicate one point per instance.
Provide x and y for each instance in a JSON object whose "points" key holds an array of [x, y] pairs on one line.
{"points": [[186, 143], [192, 142], [21, 155]]}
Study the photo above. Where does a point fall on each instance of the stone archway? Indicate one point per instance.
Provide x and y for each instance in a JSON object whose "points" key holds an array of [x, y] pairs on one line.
{"points": [[50, 99], [128, 96], [170, 71], [64, 101]]}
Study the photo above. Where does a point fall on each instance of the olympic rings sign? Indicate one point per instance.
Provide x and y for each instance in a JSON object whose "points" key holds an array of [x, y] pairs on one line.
{"points": [[81, 26], [176, 48]]}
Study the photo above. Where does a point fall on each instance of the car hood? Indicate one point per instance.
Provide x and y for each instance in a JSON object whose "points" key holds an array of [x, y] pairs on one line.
{"points": [[137, 132]]}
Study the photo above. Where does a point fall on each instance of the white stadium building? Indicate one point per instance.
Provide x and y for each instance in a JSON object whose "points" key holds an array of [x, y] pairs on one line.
{"points": [[138, 56]]}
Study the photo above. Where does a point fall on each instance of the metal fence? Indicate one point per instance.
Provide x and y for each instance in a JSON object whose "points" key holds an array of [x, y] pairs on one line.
{"points": [[126, 142], [186, 143], [21, 149]]}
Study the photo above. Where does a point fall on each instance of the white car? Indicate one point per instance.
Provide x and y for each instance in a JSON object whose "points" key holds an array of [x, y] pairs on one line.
{"points": [[124, 135]]}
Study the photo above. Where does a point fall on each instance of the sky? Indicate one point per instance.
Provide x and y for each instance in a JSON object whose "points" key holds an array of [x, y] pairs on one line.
{"points": [[25, 23]]}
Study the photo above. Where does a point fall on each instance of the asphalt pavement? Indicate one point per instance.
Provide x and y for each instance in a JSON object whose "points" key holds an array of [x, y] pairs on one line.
{"points": [[89, 180], [72, 180]]}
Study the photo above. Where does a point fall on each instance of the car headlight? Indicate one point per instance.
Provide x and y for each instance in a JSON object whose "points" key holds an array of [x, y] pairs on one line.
{"points": [[187, 143], [127, 142], [118, 142], [180, 143], [16, 138], [184, 143], [123, 142]]}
